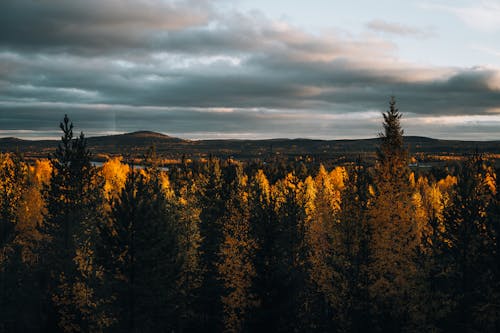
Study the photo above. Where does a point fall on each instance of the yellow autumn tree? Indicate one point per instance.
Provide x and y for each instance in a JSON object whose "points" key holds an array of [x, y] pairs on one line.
{"points": [[236, 268], [187, 215], [115, 175], [324, 197], [30, 212]]}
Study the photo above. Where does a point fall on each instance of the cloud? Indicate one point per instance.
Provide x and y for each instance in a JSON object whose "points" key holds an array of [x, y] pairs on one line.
{"points": [[399, 29], [189, 67], [94, 26]]}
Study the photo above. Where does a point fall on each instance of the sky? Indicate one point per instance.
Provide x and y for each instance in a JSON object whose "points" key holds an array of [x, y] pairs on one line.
{"points": [[250, 69]]}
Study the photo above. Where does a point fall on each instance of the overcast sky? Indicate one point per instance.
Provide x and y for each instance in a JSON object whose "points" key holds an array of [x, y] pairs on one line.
{"points": [[250, 68]]}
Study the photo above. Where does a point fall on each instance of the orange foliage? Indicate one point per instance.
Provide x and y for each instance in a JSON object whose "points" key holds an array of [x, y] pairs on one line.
{"points": [[42, 170]]}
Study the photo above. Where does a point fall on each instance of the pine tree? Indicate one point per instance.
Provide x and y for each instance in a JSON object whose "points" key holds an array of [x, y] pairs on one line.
{"points": [[186, 210], [288, 256], [491, 304], [213, 195], [236, 264], [264, 230], [73, 200], [394, 241], [140, 255], [467, 250], [354, 238]]}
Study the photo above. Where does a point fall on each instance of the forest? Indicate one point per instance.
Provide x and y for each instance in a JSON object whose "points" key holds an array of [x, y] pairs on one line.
{"points": [[224, 245]]}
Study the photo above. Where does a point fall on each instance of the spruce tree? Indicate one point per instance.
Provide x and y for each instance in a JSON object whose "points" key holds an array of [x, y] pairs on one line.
{"points": [[185, 207], [73, 200], [467, 251], [140, 254], [236, 256], [288, 255], [394, 232], [264, 230], [213, 193], [353, 250]]}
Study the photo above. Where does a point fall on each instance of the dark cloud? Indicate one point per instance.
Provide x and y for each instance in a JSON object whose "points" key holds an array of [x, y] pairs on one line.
{"points": [[173, 66], [94, 26]]}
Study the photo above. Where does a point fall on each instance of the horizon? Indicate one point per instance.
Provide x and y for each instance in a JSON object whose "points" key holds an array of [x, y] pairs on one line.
{"points": [[183, 137], [250, 69]]}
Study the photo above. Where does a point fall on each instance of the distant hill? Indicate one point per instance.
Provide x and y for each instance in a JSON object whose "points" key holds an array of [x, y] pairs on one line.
{"points": [[137, 143]]}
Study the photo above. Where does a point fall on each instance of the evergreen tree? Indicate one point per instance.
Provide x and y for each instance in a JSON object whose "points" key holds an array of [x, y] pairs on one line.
{"points": [[394, 232], [264, 230], [491, 315], [73, 202], [354, 238], [212, 204], [288, 256], [186, 210], [236, 264], [140, 254], [467, 251]]}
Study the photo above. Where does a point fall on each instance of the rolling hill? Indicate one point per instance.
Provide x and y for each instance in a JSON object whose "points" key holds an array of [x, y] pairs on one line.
{"points": [[137, 143]]}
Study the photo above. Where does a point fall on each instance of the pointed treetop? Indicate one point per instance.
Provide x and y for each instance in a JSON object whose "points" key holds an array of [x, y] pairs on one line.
{"points": [[392, 137]]}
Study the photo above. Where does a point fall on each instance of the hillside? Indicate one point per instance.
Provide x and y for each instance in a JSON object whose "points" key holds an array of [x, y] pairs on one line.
{"points": [[137, 143]]}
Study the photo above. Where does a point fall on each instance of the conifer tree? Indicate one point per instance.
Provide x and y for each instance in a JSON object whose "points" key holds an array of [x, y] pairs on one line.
{"points": [[73, 200], [140, 254], [288, 256], [394, 241], [212, 204], [264, 230], [186, 210], [491, 315], [467, 251], [236, 264], [353, 256]]}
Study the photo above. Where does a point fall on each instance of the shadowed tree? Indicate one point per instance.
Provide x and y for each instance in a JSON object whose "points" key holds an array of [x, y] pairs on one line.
{"points": [[353, 239], [73, 213], [187, 215], [13, 186], [212, 203], [140, 254], [467, 252]]}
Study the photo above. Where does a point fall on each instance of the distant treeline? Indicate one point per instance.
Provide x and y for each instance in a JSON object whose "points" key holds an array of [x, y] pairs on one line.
{"points": [[222, 245]]}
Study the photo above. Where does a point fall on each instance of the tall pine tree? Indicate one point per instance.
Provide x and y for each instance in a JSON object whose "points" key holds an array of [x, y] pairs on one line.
{"points": [[73, 203], [394, 232]]}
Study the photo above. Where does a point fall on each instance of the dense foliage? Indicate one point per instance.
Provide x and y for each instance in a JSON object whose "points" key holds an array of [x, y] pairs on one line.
{"points": [[230, 246]]}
